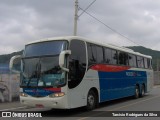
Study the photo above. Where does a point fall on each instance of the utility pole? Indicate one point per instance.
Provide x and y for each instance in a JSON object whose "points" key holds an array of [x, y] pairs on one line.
{"points": [[75, 18]]}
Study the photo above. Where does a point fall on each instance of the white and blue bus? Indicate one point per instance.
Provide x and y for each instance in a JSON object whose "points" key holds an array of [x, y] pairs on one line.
{"points": [[70, 72]]}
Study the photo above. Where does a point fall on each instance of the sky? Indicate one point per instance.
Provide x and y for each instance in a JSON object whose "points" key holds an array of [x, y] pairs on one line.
{"points": [[23, 21]]}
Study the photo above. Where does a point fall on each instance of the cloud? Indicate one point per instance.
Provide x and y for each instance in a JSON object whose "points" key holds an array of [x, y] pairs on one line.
{"points": [[24, 21]]}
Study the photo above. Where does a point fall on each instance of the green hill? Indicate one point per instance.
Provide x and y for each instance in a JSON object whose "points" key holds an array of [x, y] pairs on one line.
{"points": [[154, 53], [4, 59]]}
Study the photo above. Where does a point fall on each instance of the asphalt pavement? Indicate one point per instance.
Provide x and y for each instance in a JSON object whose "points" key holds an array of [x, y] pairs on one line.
{"points": [[147, 107]]}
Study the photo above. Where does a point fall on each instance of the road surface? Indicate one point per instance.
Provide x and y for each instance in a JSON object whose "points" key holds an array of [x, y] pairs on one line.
{"points": [[147, 105]]}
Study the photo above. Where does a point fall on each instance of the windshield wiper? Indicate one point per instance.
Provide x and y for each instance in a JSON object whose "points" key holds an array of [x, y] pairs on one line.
{"points": [[36, 74]]}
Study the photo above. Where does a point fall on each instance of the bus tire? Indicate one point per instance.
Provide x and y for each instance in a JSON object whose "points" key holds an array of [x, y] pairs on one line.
{"points": [[91, 100], [136, 92], [142, 91]]}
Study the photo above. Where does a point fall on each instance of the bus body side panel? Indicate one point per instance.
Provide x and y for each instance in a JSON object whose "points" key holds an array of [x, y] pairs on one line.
{"points": [[77, 96], [149, 80], [118, 81]]}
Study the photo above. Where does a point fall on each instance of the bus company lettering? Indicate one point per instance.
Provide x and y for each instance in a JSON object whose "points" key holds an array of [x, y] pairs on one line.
{"points": [[131, 74], [35, 90], [38, 91]]}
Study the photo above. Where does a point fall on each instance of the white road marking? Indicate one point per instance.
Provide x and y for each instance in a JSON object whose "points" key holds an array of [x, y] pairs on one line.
{"points": [[13, 108], [118, 108]]}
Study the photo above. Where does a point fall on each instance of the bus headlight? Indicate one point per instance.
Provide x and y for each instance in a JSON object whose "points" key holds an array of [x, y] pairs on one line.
{"points": [[57, 94], [23, 94]]}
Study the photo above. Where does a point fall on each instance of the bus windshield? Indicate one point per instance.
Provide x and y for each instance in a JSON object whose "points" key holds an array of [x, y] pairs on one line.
{"points": [[40, 65]]}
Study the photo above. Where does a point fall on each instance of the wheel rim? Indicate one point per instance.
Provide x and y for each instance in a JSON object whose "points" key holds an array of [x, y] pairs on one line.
{"points": [[142, 90], [137, 92], [91, 100]]}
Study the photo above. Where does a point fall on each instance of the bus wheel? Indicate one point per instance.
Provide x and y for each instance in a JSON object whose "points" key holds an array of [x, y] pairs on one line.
{"points": [[136, 92], [91, 100], [142, 91]]}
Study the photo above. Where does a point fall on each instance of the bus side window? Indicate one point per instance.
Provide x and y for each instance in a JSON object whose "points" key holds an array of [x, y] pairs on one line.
{"points": [[100, 58], [123, 58], [92, 54], [145, 63], [114, 57], [77, 63], [140, 62], [108, 55], [132, 60], [149, 61]]}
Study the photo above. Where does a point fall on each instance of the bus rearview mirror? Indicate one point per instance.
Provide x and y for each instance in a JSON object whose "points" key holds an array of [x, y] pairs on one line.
{"points": [[15, 64], [62, 59]]}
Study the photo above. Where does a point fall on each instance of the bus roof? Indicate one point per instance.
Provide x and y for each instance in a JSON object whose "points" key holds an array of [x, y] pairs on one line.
{"points": [[108, 45]]}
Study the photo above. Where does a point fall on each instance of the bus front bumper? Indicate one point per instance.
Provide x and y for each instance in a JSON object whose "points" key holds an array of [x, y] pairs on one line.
{"points": [[45, 102]]}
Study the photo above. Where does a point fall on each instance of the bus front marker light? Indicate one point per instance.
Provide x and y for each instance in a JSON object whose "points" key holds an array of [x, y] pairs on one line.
{"points": [[23, 94], [57, 94], [61, 94]]}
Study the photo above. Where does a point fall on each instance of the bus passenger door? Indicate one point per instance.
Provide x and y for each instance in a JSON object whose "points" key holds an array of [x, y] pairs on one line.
{"points": [[77, 69]]}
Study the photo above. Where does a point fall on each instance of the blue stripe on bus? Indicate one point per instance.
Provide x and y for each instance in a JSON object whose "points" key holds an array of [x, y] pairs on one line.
{"points": [[41, 92], [114, 85]]}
